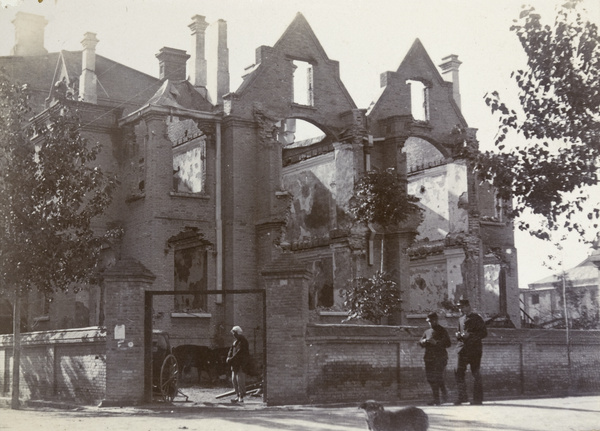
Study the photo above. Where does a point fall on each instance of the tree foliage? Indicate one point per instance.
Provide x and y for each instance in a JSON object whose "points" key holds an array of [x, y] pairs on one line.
{"points": [[372, 298], [583, 310], [380, 197], [559, 116], [49, 193]]}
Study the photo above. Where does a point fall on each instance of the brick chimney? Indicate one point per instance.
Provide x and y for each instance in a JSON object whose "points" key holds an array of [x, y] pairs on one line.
{"points": [[218, 70], [449, 68], [198, 72], [172, 64], [29, 34], [88, 81]]}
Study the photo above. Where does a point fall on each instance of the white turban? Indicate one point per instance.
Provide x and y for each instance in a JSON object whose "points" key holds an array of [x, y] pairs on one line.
{"points": [[237, 330]]}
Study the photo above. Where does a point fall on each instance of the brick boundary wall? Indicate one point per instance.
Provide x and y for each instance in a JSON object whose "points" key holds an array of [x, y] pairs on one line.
{"points": [[344, 363], [351, 363], [60, 365]]}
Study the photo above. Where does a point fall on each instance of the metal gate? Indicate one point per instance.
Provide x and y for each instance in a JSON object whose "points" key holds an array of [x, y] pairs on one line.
{"points": [[148, 327]]}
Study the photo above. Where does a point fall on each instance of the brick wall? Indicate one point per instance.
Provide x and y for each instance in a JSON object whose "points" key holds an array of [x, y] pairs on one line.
{"points": [[66, 365], [125, 283], [286, 287], [348, 363]]}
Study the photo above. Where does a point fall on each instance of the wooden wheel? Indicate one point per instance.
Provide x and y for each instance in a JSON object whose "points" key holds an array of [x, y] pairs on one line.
{"points": [[169, 375]]}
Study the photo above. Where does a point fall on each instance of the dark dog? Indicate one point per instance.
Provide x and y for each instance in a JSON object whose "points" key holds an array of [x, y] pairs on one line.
{"points": [[406, 419]]}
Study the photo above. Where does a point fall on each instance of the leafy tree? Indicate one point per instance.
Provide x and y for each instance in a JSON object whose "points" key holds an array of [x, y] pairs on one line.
{"points": [[559, 98], [380, 197], [49, 194], [582, 307], [372, 298]]}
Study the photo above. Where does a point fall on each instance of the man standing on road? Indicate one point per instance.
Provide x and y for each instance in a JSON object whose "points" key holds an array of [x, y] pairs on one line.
{"points": [[237, 358], [435, 340], [471, 330]]}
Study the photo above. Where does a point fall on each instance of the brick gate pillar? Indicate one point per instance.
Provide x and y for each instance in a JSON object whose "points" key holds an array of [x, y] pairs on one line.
{"points": [[125, 284], [286, 284]]}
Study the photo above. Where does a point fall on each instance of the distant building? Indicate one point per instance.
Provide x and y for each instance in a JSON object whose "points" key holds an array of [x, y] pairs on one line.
{"points": [[215, 185], [543, 303]]}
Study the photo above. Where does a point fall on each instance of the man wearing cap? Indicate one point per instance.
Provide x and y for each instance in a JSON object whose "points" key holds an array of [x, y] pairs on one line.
{"points": [[435, 340], [471, 330], [237, 358]]}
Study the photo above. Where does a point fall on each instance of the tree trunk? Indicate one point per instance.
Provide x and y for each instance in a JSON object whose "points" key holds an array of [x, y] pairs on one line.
{"points": [[381, 263], [16, 351]]}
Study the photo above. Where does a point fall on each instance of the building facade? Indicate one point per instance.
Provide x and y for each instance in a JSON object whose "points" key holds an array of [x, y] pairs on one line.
{"points": [[543, 303], [217, 184]]}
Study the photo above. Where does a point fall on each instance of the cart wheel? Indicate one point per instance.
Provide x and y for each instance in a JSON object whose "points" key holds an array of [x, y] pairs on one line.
{"points": [[169, 375]]}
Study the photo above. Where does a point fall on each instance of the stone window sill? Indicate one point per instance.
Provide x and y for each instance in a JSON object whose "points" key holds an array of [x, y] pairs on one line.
{"points": [[332, 313], [189, 195], [191, 315]]}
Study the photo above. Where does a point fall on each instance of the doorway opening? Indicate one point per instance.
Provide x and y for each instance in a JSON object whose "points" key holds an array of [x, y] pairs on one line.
{"points": [[199, 341]]}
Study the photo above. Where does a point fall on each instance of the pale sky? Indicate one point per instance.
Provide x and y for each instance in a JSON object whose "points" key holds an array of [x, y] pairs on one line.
{"points": [[367, 37]]}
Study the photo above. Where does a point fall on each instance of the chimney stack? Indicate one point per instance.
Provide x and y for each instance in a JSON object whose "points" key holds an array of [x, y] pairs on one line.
{"points": [[218, 71], [88, 81], [198, 73], [172, 64], [29, 34], [450, 67]]}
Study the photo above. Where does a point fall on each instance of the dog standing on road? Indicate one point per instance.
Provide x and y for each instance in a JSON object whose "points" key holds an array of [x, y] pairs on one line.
{"points": [[406, 419]]}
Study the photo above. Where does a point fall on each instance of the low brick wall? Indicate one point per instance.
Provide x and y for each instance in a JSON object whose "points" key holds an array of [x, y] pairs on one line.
{"points": [[62, 365], [349, 363], [343, 363]]}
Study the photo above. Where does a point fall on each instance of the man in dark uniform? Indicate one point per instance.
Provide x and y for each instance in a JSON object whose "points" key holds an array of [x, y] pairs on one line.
{"points": [[435, 340], [471, 330]]}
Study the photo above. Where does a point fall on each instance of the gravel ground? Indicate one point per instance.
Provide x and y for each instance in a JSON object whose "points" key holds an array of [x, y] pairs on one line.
{"points": [[552, 414], [206, 393]]}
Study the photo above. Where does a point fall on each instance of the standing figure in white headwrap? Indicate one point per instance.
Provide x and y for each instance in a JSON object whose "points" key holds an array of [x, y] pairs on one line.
{"points": [[237, 359]]}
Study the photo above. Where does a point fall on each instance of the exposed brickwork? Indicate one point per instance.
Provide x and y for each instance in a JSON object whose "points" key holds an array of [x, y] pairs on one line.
{"points": [[252, 211], [286, 287], [67, 365], [353, 363], [125, 286]]}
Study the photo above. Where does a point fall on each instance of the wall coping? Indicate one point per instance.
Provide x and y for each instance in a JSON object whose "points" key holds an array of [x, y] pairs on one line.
{"points": [[340, 332], [129, 268], [93, 334]]}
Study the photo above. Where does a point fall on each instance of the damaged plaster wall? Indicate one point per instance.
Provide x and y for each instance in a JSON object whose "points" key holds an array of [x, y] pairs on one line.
{"points": [[313, 210]]}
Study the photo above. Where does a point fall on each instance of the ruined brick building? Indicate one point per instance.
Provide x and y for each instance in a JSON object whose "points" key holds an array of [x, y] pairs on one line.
{"points": [[217, 184]]}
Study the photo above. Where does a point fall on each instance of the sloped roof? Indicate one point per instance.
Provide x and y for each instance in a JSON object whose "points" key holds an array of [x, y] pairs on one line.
{"points": [[180, 94], [585, 273], [35, 71], [118, 84]]}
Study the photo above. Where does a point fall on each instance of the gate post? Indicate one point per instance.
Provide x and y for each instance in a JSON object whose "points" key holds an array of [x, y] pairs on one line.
{"points": [[125, 285], [286, 284]]}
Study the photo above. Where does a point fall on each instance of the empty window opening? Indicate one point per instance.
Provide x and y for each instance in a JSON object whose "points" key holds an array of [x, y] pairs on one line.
{"points": [[419, 100], [190, 274], [189, 157], [499, 208], [303, 83], [320, 292]]}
